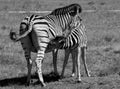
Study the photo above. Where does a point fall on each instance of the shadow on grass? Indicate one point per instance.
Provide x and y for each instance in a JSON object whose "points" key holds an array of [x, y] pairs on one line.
{"points": [[51, 77]]}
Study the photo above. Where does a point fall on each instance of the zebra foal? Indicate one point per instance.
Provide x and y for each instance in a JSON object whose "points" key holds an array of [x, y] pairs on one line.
{"points": [[41, 30], [75, 43]]}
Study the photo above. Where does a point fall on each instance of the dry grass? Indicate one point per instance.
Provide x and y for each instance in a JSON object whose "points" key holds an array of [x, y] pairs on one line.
{"points": [[103, 57]]}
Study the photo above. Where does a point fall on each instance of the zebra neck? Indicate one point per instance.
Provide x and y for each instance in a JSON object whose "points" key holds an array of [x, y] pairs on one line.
{"points": [[60, 21], [64, 20]]}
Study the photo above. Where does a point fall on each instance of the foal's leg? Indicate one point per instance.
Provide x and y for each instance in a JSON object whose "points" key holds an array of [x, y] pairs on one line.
{"points": [[83, 49], [54, 52], [73, 54], [67, 52], [78, 64]]}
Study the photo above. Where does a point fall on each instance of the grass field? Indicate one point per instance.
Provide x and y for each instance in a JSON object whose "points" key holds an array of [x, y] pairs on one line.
{"points": [[103, 54]]}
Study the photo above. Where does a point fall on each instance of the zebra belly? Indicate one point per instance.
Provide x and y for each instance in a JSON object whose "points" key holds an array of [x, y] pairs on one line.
{"points": [[72, 47]]}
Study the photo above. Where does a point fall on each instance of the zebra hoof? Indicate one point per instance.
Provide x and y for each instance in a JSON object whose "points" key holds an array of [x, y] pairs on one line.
{"points": [[43, 84], [38, 82], [27, 84], [79, 81], [88, 74], [61, 77], [55, 73], [73, 74]]}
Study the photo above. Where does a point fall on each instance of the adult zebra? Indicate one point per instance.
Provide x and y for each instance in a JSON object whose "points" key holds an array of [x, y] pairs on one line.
{"points": [[43, 29], [28, 45], [75, 43]]}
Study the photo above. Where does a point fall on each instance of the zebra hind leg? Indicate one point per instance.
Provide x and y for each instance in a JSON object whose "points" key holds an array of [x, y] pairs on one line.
{"points": [[29, 66], [39, 59]]}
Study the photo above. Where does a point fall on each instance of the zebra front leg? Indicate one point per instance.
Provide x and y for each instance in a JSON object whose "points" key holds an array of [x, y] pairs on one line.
{"points": [[39, 59], [83, 49], [73, 54], [29, 66], [54, 52], [67, 52], [78, 64]]}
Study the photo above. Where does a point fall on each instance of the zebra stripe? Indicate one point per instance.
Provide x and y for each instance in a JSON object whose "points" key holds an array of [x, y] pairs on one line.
{"points": [[76, 37], [47, 27]]}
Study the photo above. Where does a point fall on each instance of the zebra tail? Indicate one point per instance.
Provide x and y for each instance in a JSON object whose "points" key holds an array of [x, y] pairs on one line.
{"points": [[13, 36]]}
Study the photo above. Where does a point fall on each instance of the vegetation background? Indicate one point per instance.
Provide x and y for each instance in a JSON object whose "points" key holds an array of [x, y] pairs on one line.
{"points": [[103, 54]]}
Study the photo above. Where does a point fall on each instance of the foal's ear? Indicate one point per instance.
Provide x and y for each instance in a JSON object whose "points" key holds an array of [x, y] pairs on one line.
{"points": [[57, 40], [73, 11]]}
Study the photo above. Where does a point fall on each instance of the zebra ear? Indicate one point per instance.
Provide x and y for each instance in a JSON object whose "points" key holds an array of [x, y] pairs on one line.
{"points": [[73, 11], [80, 10]]}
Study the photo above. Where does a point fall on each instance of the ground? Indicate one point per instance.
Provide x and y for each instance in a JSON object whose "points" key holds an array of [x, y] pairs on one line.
{"points": [[103, 53]]}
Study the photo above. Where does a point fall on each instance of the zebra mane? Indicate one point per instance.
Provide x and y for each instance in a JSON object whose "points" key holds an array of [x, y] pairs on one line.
{"points": [[72, 8]]}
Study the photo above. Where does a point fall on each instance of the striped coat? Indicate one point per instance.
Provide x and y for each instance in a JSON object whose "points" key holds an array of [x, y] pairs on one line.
{"points": [[43, 29]]}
